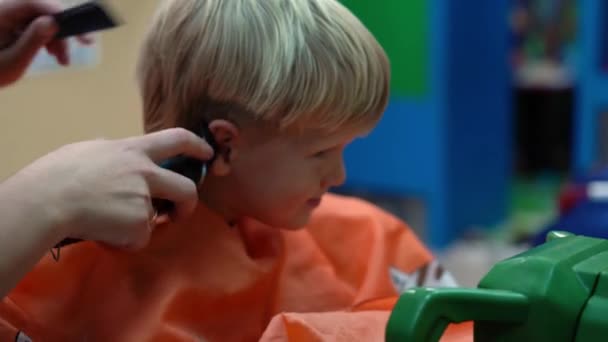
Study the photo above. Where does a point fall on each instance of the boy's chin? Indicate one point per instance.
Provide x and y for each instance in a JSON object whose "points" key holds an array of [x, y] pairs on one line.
{"points": [[294, 223], [294, 226]]}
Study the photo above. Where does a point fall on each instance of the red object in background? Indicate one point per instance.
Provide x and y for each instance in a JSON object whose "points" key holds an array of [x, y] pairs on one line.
{"points": [[570, 196]]}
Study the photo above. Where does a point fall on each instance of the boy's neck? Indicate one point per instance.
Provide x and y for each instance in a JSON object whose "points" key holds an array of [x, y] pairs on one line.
{"points": [[212, 195]]}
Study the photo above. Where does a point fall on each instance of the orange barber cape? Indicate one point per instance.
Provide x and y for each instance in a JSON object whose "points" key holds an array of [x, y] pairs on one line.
{"points": [[202, 280]]}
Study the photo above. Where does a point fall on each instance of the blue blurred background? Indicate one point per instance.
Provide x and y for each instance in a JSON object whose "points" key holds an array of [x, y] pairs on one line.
{"points": [[496, 107]]}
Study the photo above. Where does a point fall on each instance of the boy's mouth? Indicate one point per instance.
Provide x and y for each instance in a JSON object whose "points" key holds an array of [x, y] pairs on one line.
{"points": [[314, 202]]}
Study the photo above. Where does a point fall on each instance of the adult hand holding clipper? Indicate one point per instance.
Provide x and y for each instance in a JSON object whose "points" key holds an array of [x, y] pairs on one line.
{"points": [[99, 190], [163, 203], [105, 190]]}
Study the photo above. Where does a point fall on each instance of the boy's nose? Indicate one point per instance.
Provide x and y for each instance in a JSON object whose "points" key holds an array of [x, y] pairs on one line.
{"points": [[336, 177]]}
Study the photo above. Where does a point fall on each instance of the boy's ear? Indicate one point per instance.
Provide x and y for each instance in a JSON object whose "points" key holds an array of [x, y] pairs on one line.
{"points": [[226, 135]]}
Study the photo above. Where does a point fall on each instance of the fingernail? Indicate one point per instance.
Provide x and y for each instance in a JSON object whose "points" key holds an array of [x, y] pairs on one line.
{"points": [[51, 27], [88, 38], [203, 172]]}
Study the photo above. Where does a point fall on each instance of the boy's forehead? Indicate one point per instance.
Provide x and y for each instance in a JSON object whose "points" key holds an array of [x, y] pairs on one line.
{"points": [[340, 135], [261, 134]]}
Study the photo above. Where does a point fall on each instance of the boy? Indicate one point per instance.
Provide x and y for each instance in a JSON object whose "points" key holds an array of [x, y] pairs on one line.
{"points": [[284, 86]]}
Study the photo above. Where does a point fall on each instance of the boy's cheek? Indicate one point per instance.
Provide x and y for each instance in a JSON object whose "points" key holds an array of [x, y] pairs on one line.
{"points": [[298, 222]]}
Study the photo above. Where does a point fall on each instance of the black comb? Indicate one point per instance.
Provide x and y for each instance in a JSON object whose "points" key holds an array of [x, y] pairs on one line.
{"points": [[85, 18]]}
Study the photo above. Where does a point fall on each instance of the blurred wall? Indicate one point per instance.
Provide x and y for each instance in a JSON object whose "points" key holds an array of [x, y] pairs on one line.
{"points": [[43, 112]]}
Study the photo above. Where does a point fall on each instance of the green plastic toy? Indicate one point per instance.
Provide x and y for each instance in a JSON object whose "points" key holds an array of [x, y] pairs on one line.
{"points": [[555, 292]]}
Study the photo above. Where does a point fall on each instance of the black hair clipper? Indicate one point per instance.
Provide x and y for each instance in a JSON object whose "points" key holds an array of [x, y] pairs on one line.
{"points": [[192, 168], [85, 18]]}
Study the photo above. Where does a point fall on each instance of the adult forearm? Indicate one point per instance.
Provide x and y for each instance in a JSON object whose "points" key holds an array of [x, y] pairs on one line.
{"points": [[28, 229]]}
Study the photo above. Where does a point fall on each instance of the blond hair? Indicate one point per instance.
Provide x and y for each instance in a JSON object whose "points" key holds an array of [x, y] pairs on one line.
{"points": [[293, 63]]}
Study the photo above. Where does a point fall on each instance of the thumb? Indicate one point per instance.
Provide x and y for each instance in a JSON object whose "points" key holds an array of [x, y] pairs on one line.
{"points": [[40, 32]]}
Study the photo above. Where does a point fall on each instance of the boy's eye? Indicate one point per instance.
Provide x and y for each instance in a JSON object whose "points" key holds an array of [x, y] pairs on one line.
{"points": [[321, 154], [325, 152]]}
